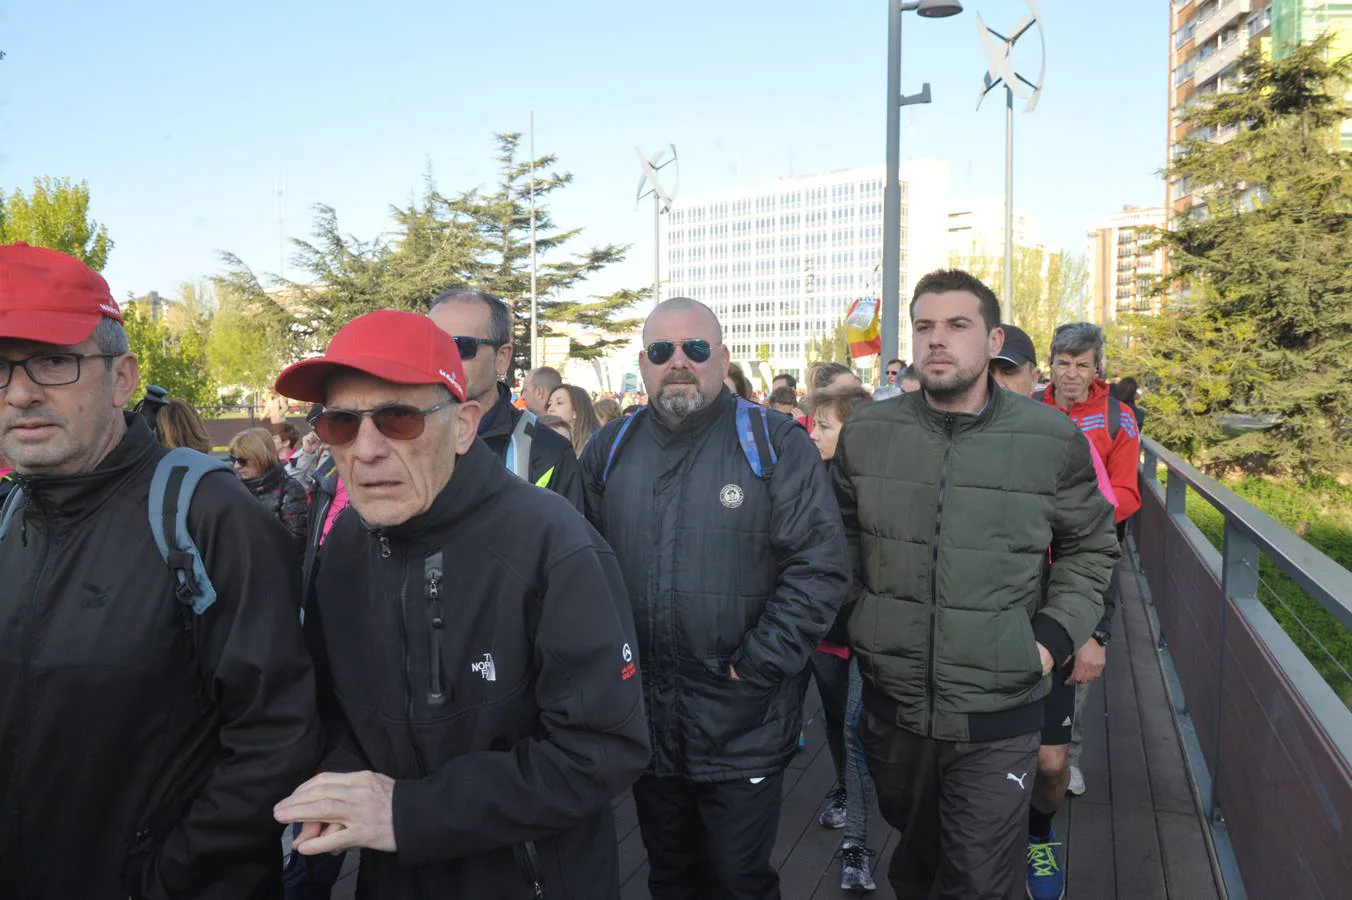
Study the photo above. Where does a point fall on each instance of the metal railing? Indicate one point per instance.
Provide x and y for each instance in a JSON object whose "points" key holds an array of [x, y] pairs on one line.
{"points": [[1269, 742]]}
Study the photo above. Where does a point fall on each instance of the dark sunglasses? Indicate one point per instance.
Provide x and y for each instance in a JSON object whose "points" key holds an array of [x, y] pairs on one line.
{"points": [[696, 350], [469, 346], [397, 421], [237, 461]]}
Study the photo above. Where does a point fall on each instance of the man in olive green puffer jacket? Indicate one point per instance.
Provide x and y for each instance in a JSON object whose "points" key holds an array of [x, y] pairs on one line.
{"points": [[951, 497]]}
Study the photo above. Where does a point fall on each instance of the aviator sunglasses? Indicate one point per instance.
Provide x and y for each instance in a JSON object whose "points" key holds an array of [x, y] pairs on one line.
{"points": [[696, 350], [397, 421]]}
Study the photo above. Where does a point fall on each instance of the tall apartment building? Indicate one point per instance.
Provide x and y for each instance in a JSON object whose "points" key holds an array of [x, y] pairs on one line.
{"points": [[1207, 39], [780, 263], [1121, 263]]}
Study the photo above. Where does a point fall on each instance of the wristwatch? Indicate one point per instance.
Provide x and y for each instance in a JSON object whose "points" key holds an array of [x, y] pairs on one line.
{"points": [[1101, 636]]}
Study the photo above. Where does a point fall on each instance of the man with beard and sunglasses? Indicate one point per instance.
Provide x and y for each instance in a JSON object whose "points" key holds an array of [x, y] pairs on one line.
{"points": [[734, 575], [481, 326], [951, 497], [472, 645]]}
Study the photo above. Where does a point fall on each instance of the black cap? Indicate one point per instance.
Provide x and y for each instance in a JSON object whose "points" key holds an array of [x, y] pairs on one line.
{"points": [[1018, 347]]}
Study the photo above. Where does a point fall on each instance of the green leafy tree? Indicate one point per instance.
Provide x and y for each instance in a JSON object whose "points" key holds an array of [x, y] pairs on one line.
{"points": [[176, 361], [251, 336], [831, 346], [55, 215], [1258, 330]]}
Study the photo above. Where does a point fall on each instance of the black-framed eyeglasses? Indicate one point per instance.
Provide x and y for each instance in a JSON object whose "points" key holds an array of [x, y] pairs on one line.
{"points": [[397, 421], [697, 350], [469, 346], [49, 369]]}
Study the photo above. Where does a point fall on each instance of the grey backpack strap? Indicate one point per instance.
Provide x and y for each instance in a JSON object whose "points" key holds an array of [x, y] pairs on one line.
{"points": [[518, 447], [13, 503], [171, 491]]}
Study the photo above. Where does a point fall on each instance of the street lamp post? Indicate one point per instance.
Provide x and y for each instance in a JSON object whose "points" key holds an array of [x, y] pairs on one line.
{"points": [[891, 313]]}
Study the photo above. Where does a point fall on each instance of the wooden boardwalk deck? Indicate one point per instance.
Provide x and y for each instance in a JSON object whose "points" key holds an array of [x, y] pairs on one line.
{"points": [[1135, 833]]}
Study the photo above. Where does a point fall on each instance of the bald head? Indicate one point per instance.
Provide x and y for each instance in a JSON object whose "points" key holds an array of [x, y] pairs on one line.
{"points": [[686, 310], [539, 384]]}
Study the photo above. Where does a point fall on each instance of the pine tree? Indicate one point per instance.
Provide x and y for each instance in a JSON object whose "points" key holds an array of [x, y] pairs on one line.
{"points": [[1249, 367], [502, 221], [440, 242]]}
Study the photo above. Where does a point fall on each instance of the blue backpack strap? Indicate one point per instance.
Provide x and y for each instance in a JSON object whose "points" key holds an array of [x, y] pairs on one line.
{"points": [[620, 435], [13, 503], [753, 432], [171, 491]]}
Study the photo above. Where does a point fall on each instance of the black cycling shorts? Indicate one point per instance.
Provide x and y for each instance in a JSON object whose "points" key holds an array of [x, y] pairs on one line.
{"points": [[1059, 708]]}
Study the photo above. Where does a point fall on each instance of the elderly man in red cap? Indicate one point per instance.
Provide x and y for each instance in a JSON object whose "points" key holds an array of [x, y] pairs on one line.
{"points": [[143, 741], [473, 642]]}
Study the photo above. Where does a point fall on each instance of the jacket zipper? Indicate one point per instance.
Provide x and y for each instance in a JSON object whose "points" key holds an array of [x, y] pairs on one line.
{"points": [[415, 883], [26, 637], [949, 422], [436, 691]]}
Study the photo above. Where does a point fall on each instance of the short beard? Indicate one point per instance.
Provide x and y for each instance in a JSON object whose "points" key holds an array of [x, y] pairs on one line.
{"points": [[952, 387], [681, 404]]}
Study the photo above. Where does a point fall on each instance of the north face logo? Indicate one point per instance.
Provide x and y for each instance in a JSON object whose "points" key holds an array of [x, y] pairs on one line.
{"points": [[485, 668]]}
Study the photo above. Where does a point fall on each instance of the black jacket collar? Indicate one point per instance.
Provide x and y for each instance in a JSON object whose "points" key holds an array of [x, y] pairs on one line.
{"points": [[267, 482], [70, 498], [694, 425], [499, 420]]}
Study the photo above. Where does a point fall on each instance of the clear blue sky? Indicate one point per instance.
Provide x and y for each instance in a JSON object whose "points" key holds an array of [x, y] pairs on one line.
{"points": [[182, 115]]}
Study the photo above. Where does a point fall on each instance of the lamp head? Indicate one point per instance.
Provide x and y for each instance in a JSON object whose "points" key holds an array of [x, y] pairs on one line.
{"points": [[938, 9]]}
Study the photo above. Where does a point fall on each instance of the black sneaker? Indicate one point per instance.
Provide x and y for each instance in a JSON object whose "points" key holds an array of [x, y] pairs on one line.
{"points": [[854, 868], [834, 814]]}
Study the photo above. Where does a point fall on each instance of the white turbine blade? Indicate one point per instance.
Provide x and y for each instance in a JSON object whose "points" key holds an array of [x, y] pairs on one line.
{"points": [[998, 55], [1042, 72], [676, 181], [657, 160]]}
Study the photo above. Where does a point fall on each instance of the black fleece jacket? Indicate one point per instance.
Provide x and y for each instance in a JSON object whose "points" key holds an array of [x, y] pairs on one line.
{"points": [[141, 752], [482, 655]]}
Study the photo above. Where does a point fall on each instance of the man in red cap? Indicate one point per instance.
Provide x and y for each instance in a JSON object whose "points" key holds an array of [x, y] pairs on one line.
{"points": [[142, 743], [473, 644]]}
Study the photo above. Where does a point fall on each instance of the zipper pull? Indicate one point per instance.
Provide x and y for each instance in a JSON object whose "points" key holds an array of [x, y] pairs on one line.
{"points": [[384, 545], [432, 575]]}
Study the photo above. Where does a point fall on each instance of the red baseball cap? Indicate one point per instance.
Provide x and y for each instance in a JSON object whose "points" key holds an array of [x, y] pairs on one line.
{"points": [[401, 347], [51, 297]]}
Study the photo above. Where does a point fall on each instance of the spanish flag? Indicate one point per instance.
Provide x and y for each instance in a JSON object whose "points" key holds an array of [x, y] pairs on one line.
{"points": [[861, 327]]}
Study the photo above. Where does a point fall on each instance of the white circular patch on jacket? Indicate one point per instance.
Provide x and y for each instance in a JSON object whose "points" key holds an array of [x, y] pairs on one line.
{"points": [[627, 653], [731, 496]]}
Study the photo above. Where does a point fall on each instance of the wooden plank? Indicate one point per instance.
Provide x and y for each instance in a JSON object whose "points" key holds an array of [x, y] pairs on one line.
{"points": [[1089, 863], [1187, 866], [1170, 788], [1087, 836], [1136, 847]]}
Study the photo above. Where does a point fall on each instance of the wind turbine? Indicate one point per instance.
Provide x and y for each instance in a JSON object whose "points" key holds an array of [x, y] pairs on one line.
{"points": [[650, 185], [999, 52]]}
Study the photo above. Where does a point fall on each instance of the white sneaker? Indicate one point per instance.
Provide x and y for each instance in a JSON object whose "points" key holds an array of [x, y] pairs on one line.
{"points": [[1076, 786]]}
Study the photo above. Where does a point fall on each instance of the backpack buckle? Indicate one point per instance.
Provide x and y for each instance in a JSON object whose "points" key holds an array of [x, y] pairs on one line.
{"points": [[180, 563]]}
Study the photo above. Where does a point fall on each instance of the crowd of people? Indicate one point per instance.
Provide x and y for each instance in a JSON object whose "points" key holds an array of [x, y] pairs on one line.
{"points": [[445, 626]]}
